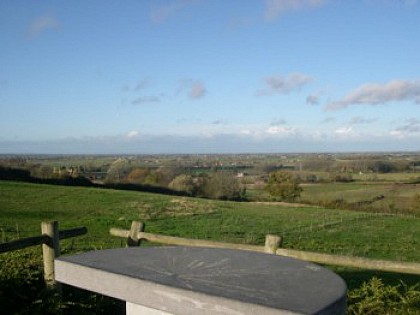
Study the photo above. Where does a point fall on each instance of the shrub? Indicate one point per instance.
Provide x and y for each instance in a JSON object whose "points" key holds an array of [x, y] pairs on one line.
{"points": [[341, 178], [183, 183], [375, 298], [220, 185], [138, 175], [283, 186]]}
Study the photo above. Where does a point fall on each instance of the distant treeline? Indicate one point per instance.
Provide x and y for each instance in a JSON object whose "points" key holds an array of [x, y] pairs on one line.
{"points": [[9, 173], [13, 174]]}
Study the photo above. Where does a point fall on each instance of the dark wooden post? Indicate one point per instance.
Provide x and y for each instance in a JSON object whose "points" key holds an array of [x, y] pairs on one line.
{"points": [[133, 239], [50, 250]]}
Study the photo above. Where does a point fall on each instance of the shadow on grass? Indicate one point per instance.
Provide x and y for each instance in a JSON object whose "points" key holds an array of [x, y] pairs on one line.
{"points": [[23, 290], [18, 296], [355, 277]]}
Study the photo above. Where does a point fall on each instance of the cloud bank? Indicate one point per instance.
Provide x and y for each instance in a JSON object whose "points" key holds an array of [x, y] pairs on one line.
{"points": [[276, 140]]}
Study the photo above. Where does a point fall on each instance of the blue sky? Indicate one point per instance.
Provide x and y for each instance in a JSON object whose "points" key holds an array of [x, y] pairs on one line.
{"points": [[209, 76]]}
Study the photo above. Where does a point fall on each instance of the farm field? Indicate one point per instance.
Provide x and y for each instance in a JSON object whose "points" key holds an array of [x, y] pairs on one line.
{"points": [[396, 177], [353, 192], [376, 197], [23, 206]]}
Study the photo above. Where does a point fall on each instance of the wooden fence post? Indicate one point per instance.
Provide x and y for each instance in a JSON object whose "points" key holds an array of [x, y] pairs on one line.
{"points": [[133, 239], [272, 243], [50, 250]]}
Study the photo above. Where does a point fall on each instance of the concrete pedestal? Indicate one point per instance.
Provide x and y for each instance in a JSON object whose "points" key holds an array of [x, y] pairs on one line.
{"points": [[135, 309], [191, 280]]}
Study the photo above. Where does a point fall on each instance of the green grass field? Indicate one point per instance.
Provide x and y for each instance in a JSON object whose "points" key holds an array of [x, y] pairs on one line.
{"points": [[351, 192], [389, 177], [23, 206]]}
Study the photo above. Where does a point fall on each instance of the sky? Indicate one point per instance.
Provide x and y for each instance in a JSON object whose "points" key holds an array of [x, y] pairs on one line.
{"points": [[209, 76]]}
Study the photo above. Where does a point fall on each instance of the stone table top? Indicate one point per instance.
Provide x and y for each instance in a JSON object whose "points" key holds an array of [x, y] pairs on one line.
{"points": [[194, 280]]}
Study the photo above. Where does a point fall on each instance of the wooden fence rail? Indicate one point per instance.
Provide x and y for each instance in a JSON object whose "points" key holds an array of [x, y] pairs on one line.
{"points": [[352, 261], [39, 240], [50, 241], [272, 245], [23, 243]]}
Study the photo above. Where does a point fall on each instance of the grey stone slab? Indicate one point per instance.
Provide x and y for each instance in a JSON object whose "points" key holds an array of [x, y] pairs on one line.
{"points": [[182, 280]]}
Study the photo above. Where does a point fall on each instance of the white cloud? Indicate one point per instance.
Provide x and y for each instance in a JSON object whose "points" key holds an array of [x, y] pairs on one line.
{"points": [[312, 99], [275, 8], [219, 122], [344, 131], [238, 22], [278, 121], [410, 2], [246, 139], [410, 127], [162, 12], [142, 85], [146, 100], [197, 90], [278, 130], [133, 134], [360, 120], [327, 120], [194, 88], [42, 24], [284, 85], [375, 94], [397, 134]]}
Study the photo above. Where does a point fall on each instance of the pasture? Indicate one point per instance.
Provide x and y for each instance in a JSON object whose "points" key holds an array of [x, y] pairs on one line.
{"points": [[394, 198], [377, 197]]}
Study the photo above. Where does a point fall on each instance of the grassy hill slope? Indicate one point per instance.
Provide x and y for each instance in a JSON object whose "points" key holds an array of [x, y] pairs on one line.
{"points": [[23, 206]]}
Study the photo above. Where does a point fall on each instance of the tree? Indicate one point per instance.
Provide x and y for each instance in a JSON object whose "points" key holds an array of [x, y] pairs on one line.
{"points": [[41, 171], [183, 183], [118, 171], [283, 185], [341, 178], [138, 175], [165, 175], [224, 186]]}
